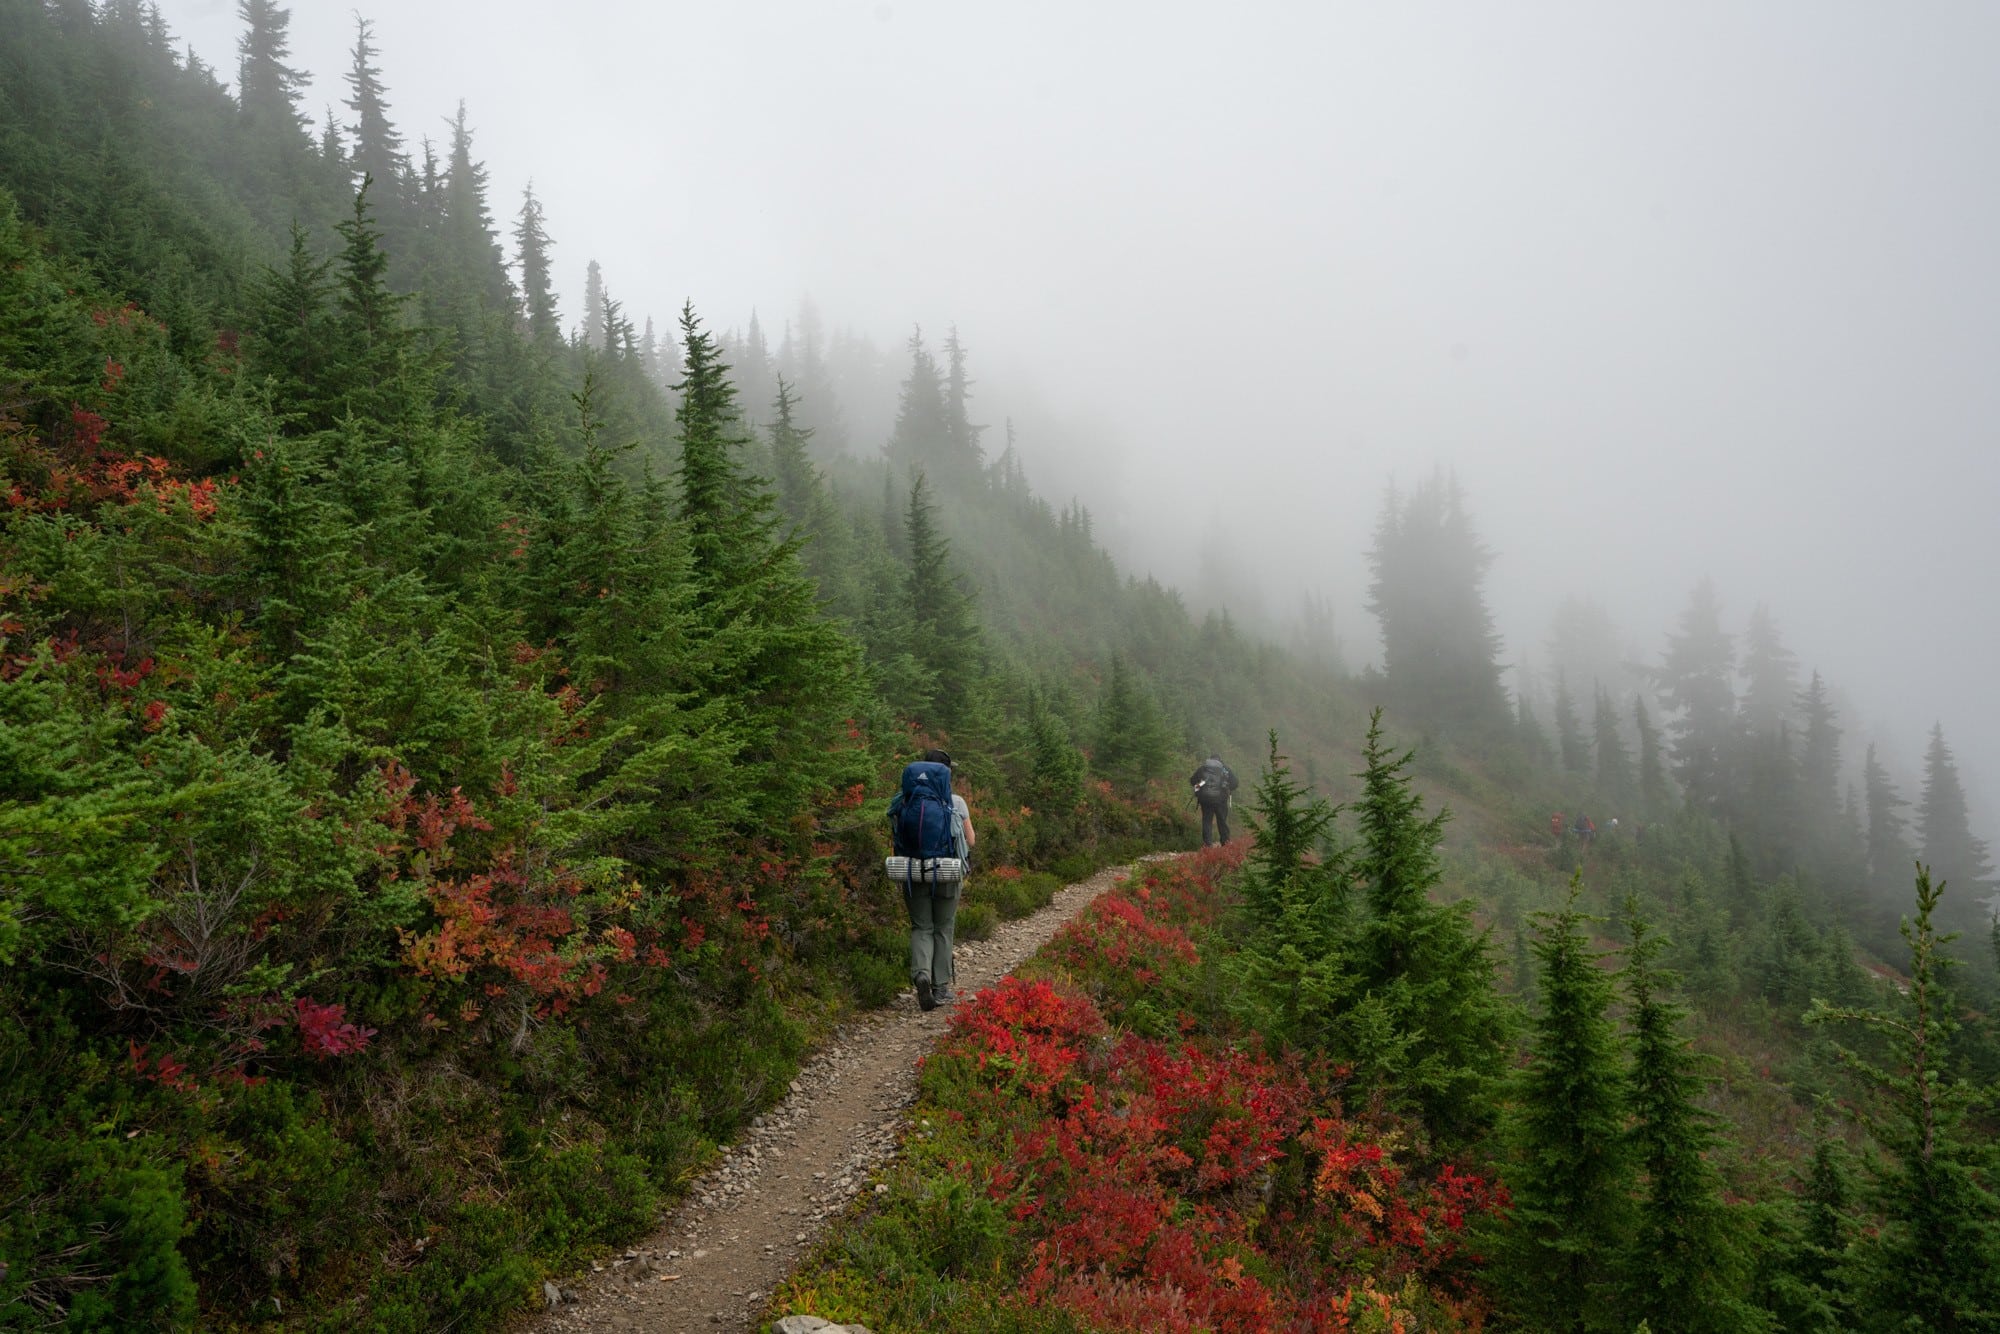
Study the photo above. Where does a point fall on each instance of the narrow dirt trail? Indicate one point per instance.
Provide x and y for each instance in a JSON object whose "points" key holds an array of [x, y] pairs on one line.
{"points": [[742, 1226]]}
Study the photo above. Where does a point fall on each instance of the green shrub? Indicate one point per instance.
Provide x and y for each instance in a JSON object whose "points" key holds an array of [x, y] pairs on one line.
{"points": [[1074, 866], [976, 921], [877, 979], [138, 1217], [583, 1195], [1014, 897], [878, 968]]}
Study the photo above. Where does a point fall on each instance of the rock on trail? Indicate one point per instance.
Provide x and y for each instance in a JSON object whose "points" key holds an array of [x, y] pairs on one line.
{"points": [[738, 1232]]}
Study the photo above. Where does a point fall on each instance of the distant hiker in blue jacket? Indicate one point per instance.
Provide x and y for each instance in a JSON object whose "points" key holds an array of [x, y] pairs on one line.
{"points": [[1213, 783], [933, 905]]}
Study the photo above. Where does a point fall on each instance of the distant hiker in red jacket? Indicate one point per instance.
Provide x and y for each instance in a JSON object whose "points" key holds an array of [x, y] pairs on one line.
{"points": [[1556, 826]]}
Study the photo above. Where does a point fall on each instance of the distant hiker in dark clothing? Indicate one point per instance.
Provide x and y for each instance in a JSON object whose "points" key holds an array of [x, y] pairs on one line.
{"points": [[1213, 782], [1586, 829]]}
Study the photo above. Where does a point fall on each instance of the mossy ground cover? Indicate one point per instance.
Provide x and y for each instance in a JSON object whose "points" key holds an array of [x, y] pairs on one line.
{"points": [[1099, 1146]]}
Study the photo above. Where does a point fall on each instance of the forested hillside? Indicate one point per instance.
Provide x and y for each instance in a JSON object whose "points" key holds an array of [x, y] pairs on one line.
{"points": [[442, 748]]}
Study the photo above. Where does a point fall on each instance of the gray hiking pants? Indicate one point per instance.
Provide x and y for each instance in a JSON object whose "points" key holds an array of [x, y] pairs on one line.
{"points": [[933, 921]]}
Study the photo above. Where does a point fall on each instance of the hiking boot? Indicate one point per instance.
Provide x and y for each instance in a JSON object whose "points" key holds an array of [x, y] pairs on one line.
{"points": [[942, 996], [926, 999]]}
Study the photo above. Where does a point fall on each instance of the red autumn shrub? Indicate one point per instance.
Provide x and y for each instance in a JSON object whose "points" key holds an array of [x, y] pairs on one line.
{"points": [[324, 1030], [1192, 1184], [1032, 1031]]}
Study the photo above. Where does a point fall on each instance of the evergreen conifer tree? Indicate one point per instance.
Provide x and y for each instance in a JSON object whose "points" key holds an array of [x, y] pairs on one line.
{"points": [[475, 266], [1889, 852], [1614, 762], [1439, 649], [1696, 679], [1571, 1171], [1652, 772], [1429, 970], [1130, 740], [531, 243], [375, 344], [1690, 1263], [796, 478], [291, 337], [1294, 980], [1534, 741], [1770, 673], [961, 435], [919, 438], [764, 641], [1575, 751], [1819, 764], [1934, 1264], [266, 87], [378, 154], [945, 636], [1055, 781], [1948, 847], [1769, 814], [1804, 1285]]}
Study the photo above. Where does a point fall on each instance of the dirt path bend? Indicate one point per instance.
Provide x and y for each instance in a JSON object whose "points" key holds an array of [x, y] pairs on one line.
{"points": [[742, 1226]]}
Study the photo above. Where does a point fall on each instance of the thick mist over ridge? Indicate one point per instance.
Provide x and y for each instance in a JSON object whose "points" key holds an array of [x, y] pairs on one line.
{"points": [[1702, 291]]}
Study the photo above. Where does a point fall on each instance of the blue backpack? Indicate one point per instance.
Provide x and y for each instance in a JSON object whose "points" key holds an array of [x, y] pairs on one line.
{"points": [[920, 816]]}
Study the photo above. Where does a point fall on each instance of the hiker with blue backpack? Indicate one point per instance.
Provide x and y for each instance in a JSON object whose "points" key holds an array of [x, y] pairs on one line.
{"points": [[931, 831]]}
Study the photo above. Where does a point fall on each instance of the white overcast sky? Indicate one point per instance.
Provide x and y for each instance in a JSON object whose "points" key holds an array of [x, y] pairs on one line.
{"points": [[1702, 288]]}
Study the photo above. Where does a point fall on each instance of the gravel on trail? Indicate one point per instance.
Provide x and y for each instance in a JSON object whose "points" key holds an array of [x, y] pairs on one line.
{"points": [[715, 1261]]}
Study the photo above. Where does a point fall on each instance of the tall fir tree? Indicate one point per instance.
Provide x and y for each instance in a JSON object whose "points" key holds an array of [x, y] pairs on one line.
{"points": [[1934, 1263], [1690, 1266], [1770, 676], [919, 437], [471, 246], [1570, 1170], [531, 248], [1889, 851], [376, 343], [946, 637], [291, 337], [1439, 649], [1534, 741], [962, 446], [710, 433], [1803, 1284], [1056, 766], [1570, 745], [1652, 769], [1131, 742], [1947, 844], [767, 643], [1293, 981], [1614, 761], [266, 87], [791, 460], [1696, 680], [1819, 764], [1428, 969], [378, 146]]}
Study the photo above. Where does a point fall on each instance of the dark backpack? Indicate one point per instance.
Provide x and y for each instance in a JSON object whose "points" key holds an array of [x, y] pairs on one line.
{"points": [[1217, 782], [920, 822]]}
